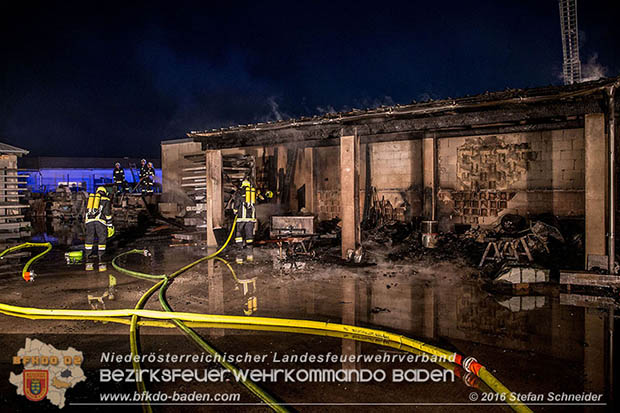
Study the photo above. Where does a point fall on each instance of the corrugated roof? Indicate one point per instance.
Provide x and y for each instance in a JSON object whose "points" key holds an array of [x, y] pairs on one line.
{"points": [[6, 148]]}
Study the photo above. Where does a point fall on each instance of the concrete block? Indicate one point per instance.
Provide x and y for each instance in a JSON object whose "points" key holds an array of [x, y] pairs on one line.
{"points": [[574, 133], [528, 303], [513, 304], [580, 155], [537, 145], [525, 303], [542, 276], [520, 275], [580, 181], [528, 275], [562, 144], [571, 175], [568, 154], [580, 165], [565, 165]]}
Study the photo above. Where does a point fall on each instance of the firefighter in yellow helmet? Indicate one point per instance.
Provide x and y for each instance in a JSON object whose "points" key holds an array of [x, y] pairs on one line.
{"points": [[244, 206], [98, 221]]}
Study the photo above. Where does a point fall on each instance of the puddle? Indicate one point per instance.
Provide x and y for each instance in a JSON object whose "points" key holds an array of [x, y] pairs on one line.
{"points": [[539, 344]]}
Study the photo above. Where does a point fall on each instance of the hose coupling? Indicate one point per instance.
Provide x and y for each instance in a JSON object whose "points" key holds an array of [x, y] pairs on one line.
{"points": [[469, 379], [467, 364], [146, 253], [29, 276]]}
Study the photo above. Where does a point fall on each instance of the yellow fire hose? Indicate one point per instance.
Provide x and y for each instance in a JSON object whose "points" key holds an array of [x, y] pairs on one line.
{"points": [[296, 330], [401, 342], [28, 275], [280, 324]]}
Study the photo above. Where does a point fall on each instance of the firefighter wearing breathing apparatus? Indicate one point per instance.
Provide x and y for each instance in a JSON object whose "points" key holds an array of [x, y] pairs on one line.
{"points": [[98, 225], [244, 206]]}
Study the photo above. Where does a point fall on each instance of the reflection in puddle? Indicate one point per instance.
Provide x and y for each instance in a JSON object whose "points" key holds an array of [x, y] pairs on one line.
{"points": [[537, 343], [58, 232]]}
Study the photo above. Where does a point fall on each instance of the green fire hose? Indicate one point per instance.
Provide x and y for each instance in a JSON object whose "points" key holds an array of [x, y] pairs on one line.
{"points": [[28, 275]]}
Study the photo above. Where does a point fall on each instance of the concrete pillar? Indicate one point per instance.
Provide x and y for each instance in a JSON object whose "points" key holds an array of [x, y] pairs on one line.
{"points": [[308, 178], [429, 174], [349, 192], [214, 195], [282, 154], [596, 184]]}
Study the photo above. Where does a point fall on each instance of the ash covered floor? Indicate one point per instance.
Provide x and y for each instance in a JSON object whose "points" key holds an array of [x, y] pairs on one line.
{"points": [[531, 342]]}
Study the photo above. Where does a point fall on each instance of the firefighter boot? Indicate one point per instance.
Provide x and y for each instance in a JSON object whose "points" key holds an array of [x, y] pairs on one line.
{"points": [[240, 254], [90, 266]]}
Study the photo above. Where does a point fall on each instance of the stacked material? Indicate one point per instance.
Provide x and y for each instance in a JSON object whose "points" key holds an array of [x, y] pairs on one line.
{"points": [[235, 167], [13, 226], [128, 210], [66, 205]]}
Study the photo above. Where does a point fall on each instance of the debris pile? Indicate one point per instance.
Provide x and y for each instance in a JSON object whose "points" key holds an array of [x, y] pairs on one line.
{"points": [[329, 228], [128, 211], [542, 240], [66, 205]]}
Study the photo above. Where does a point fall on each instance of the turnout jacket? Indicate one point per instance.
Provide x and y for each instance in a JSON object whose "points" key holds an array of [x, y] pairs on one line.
{"points": [[119, 175]]}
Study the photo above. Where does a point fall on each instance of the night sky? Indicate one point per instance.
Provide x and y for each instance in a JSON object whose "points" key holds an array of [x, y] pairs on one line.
{"points": [[108, 79]]}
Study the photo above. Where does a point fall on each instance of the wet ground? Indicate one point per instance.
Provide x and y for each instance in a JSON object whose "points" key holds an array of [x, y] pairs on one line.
{"points": [[533, 344]]}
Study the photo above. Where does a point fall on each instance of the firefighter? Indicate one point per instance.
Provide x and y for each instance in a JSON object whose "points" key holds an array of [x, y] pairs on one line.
{"points": [[98, 225], [142, 175], [150, 178], [244, 206], [147, 176], [119, 178]]}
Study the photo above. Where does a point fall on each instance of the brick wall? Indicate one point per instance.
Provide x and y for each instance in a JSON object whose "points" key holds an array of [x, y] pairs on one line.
{"points": [[327, 167], [396, 174], [535, 172], [329, 204], [480, 177], [396, 169]]}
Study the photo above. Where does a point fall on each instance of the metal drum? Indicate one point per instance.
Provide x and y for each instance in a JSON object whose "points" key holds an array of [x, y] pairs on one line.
{"points": [[429, 234]]}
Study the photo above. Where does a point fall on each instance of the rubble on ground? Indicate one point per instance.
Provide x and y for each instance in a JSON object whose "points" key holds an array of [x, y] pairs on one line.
{"points": [[551, 244]]}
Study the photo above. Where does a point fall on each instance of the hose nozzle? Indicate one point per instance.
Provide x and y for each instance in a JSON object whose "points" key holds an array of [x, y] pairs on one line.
{"points": [[29, 276], [146, 253]]}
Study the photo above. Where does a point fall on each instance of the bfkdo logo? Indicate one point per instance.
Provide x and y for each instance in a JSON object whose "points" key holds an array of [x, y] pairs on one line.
{"points": [[36, 384], [47, 372]]}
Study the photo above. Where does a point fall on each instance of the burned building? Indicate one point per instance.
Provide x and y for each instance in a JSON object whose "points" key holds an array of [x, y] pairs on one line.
{"points": [[459, 162]]}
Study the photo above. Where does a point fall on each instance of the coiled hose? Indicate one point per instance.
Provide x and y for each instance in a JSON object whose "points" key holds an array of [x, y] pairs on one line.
{"points": [[28, 275]]}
